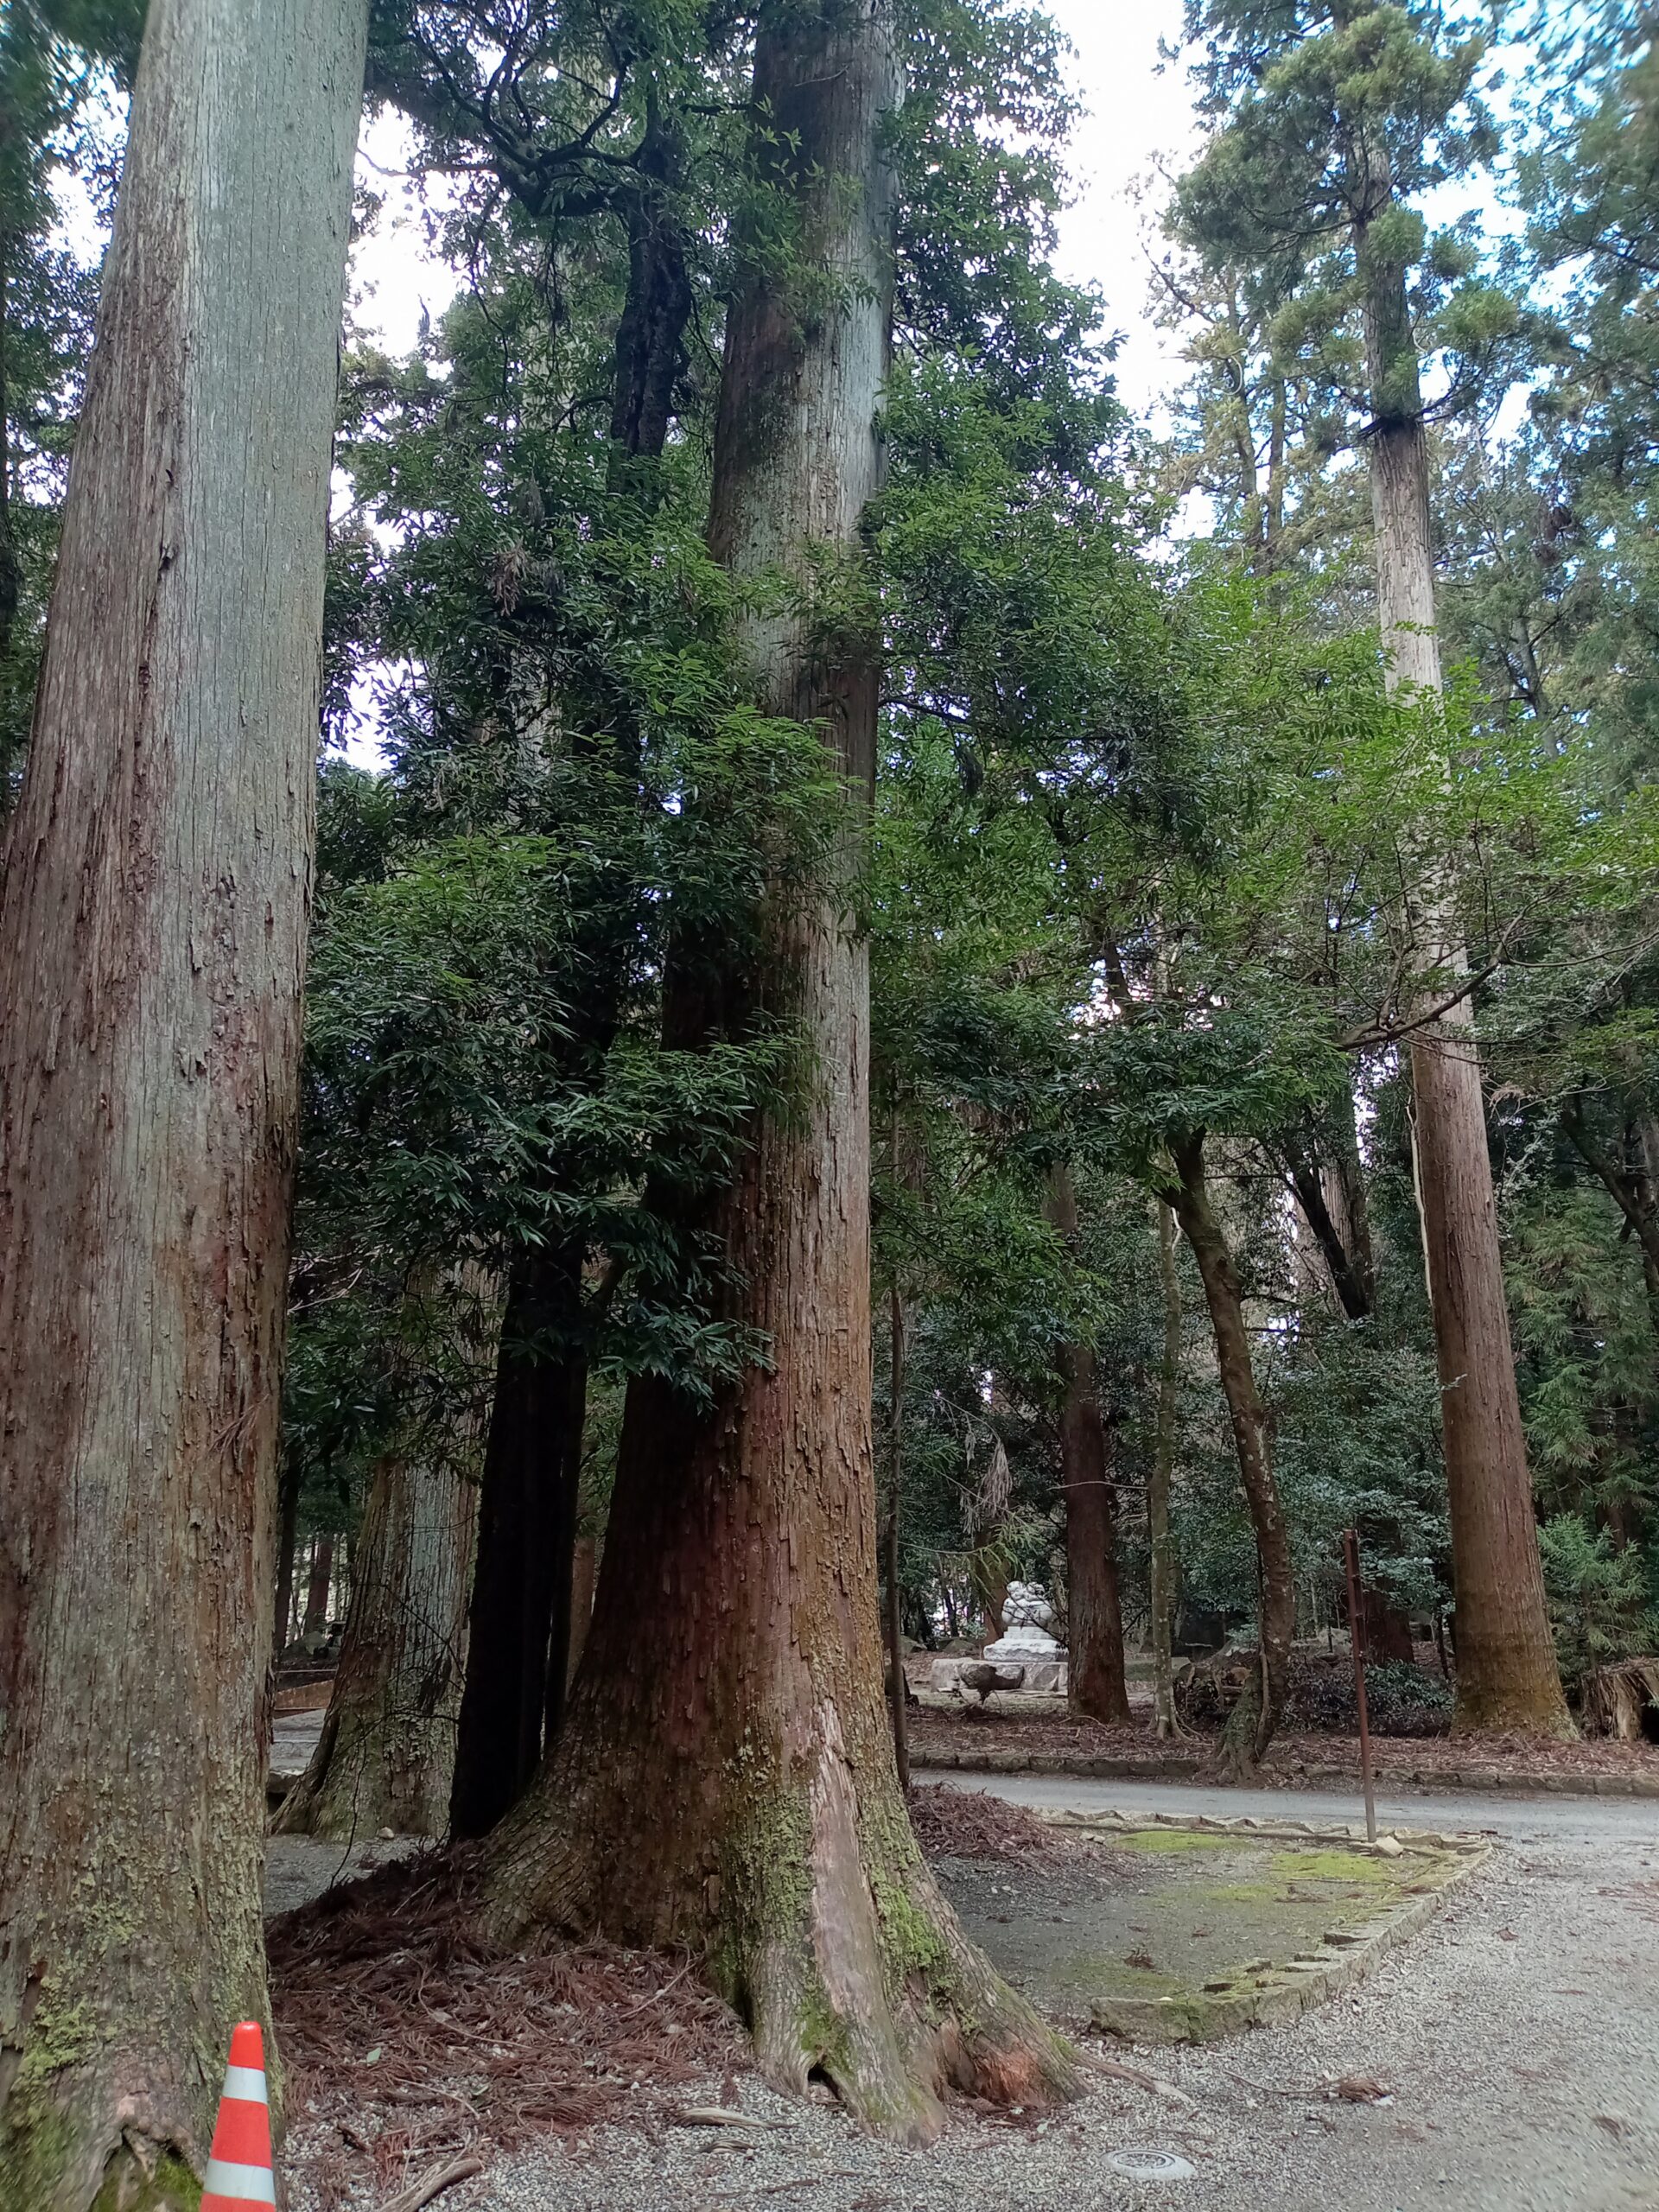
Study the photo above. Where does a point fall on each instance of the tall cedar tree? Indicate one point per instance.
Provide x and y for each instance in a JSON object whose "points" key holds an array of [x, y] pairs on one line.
{"points": [[725, 1777], [1332, 111], [152, 934]]}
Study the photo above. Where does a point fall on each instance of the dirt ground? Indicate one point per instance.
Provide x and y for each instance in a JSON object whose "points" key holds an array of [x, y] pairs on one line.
{"points": [[1513, 2046]]}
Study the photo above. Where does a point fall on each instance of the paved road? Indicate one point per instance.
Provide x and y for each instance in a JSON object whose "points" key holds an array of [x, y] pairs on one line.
{"points": [[1525, 1820]]}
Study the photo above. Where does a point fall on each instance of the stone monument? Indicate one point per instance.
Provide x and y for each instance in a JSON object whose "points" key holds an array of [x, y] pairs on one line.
{"points": [[1025, 1643]]}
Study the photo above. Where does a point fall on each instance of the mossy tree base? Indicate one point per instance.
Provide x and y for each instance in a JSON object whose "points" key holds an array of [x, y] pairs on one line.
{"points": [[817, 1916]]}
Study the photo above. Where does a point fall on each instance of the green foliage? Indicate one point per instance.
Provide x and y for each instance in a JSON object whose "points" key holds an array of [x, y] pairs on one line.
{"points": [[1599, 1599]]}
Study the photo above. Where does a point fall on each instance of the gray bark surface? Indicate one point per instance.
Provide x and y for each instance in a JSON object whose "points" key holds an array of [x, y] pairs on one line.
{"points": [[152, 931], [387, 1752]]}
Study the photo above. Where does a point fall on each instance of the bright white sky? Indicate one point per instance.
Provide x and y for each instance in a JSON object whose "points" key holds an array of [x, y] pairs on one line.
{"points": [[1135, 116]]}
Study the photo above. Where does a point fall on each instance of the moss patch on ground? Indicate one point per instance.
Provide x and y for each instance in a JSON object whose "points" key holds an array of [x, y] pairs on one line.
{"points": [[1175, 1934]]}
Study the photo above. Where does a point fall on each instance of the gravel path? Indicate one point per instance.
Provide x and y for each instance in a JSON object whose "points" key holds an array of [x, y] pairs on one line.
{"points": [[1519, 2037]]}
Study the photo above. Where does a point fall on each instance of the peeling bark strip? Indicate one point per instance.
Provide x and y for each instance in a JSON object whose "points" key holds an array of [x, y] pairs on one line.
{"points": [[725, 1775], [152, 929]]}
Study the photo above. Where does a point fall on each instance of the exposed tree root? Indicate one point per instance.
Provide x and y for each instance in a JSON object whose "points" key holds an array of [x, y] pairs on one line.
{"points": [[820, 1921]]}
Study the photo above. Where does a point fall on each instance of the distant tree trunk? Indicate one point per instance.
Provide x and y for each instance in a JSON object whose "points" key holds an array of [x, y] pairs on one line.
{"points": [[526, 1536], [650, 354], [1160, 1542], [1097, 1687], [287, 1545], [152, 933], [725, 1778], [1254, 1720], [895, 1595], [1508, 1677], [992, 1586], [1633, 1185], [1384, 1629], [319, 1582], [386, 1753]]}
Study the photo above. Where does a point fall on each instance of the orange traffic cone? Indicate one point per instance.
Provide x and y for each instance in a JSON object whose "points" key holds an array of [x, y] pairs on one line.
{"points": [[239, 2170]]}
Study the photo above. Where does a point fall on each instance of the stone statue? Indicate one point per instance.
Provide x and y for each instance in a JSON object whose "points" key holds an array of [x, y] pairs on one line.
{"points": [[1025, 1633]]}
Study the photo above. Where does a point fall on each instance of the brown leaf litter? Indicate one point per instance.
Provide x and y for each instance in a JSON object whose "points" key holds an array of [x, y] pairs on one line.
{"points": [[404, 2039]]}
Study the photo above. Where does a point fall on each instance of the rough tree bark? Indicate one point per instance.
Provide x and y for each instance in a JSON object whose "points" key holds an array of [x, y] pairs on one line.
{"points": [[1097, 1687], [725, 1777], [1508, 1677], [520, 1612], [386, 1753], [1159, 1539], [152, 931], [1253, 1722]]}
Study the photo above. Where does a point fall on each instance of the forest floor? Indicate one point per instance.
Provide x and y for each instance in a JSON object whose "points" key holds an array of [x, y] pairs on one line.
{"points": [[1012, 1735], [1511, 2044]]}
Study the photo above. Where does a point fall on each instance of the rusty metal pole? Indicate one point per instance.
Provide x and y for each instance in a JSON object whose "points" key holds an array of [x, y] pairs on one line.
{"points": [[1351, 1553]]}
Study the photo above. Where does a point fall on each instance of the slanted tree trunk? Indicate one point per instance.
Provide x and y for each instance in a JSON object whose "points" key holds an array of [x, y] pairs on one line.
{"points": [[584, 1572], [725, 1777], [1098, 1688], [1508, 1677], [387, 1754], [1159, 1538], [1633, 1185], [152, 934], [526, 1535], [1254, 1720]]}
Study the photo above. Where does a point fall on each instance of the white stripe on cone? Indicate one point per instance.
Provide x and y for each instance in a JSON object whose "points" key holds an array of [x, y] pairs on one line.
{"points": [[247, 2083], [253, 2184]]}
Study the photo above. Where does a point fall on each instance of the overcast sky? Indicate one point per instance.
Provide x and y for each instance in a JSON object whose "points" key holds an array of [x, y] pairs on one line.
{"points": [[1135, 116]]}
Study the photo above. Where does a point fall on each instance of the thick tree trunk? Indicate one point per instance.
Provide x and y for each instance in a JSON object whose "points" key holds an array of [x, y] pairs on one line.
{"points": [[1508, 1677], [1098, 1688], [725, 1778], [1254, 1720], [1160, 1540], [152, 932], [387, 1754], [520, 1613]]}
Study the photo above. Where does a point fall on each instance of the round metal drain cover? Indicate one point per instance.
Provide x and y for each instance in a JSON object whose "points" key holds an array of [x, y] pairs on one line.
{"points": [[1152, 2165]]}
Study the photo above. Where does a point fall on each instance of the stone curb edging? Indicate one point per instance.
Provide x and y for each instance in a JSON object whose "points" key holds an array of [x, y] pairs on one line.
{"points": [[1491, 1782], [1270, 1995]]}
